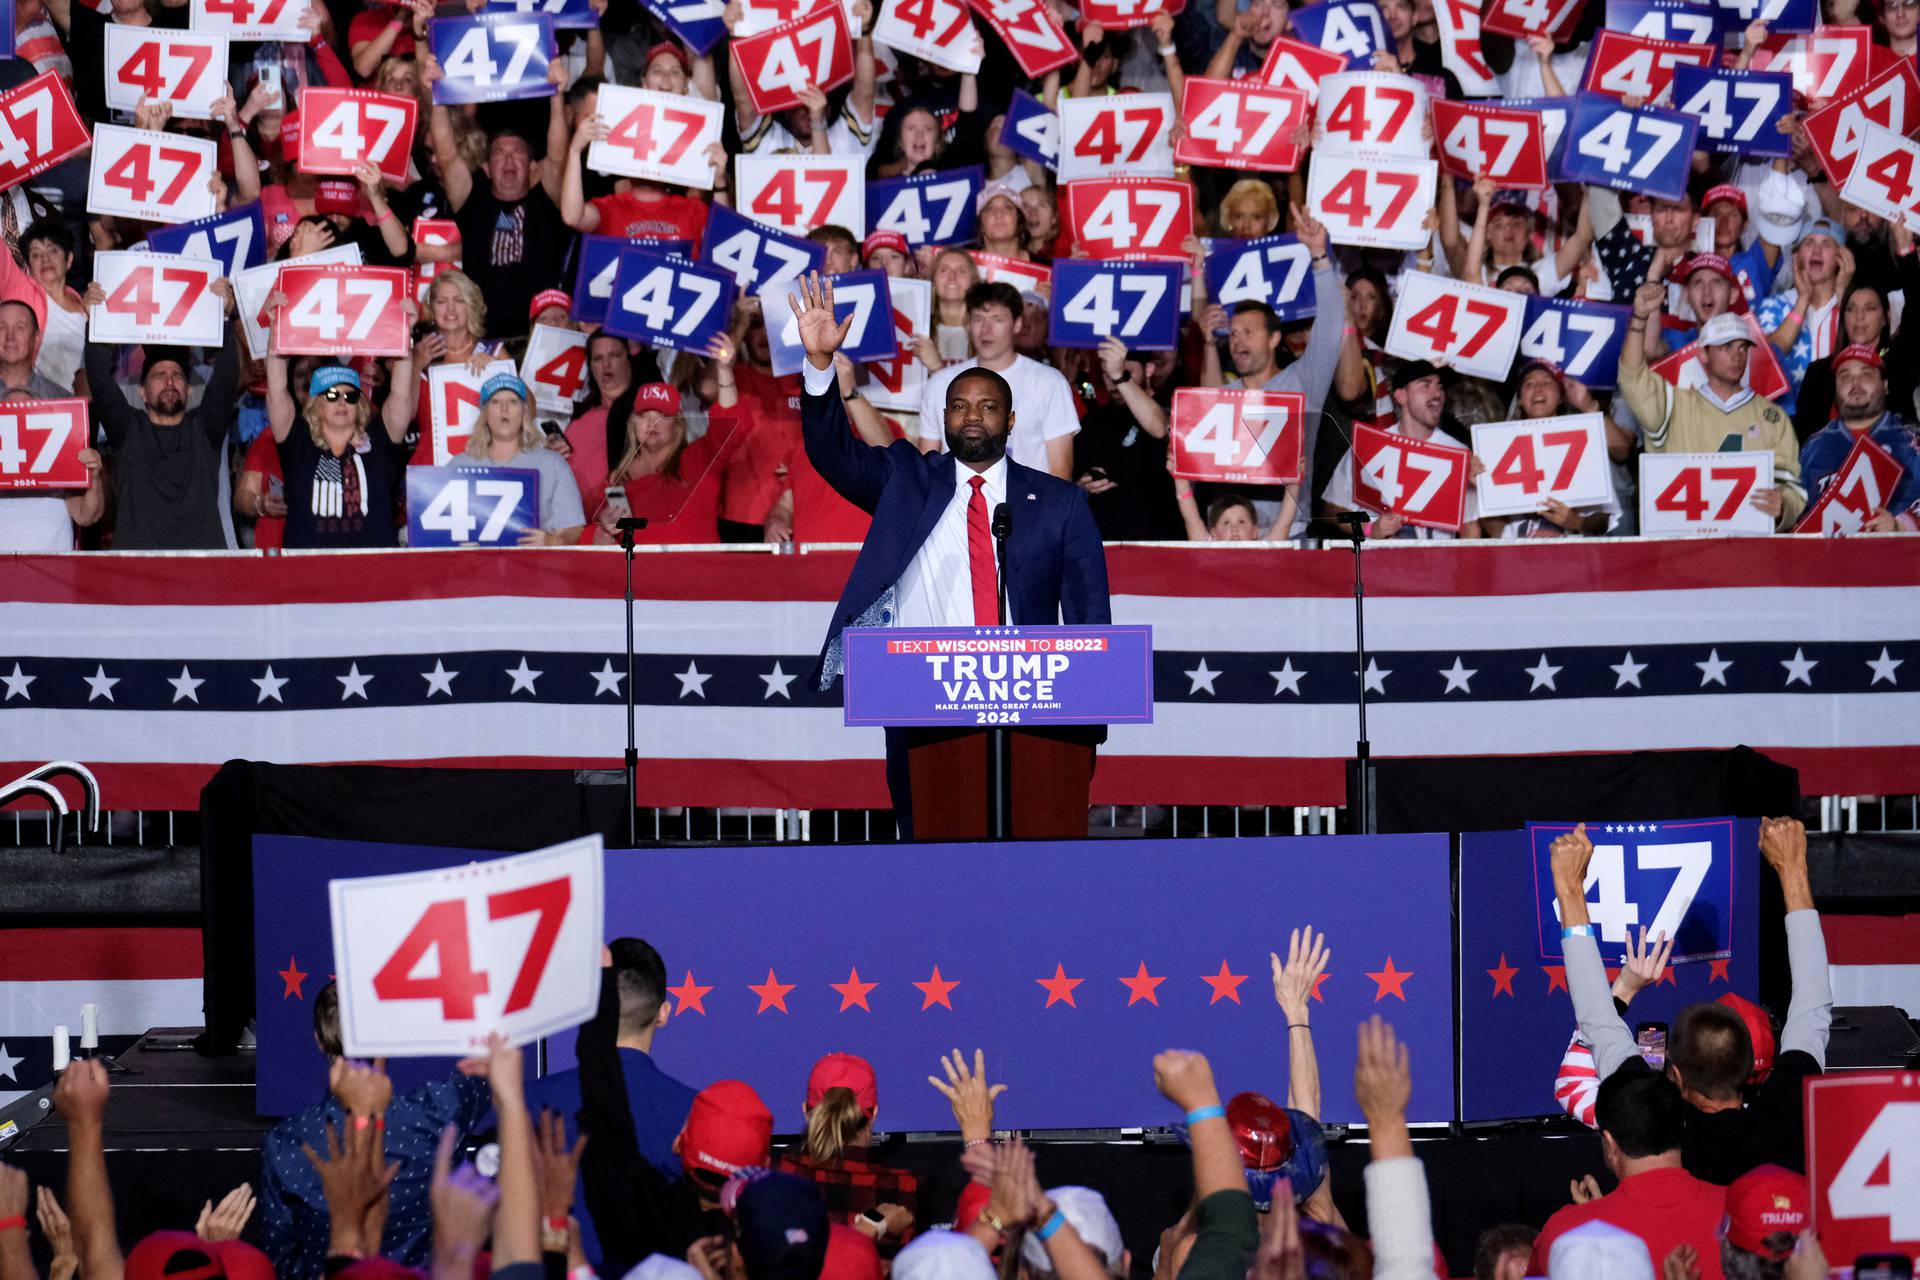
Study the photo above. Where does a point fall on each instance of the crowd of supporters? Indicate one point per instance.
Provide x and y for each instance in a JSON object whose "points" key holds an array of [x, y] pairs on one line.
{"points": [[614, 1168], [200, 448]]}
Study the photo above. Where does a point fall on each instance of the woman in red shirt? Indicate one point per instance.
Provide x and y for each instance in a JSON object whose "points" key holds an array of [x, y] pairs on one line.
{"points": [[673, 482]]}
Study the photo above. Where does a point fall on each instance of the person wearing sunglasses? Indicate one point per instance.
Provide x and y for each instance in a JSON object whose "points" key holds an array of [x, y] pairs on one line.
{"points": [[342, 481]]}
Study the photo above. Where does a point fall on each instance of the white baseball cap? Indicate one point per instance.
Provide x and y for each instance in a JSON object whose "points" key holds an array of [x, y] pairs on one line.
{"points": [[1086, 1210], [944, 1255], [1722, 329], [1599, 1251]]}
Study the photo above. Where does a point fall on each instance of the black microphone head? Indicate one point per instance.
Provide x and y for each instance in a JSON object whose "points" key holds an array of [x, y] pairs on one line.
{"points": [[1352, 519], [1002, 521]]}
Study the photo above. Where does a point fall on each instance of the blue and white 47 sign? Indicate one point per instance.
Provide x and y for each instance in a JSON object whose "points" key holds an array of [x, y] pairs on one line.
{"points": [[668, 303], [754, 254], [471, 506], [1739, 111], [1630, 149], [862, 295], [1031, 130], [1100, 298], [1276, 270], [1672, 878], [927, 208], [236, 239], [1582, 339], [495, 57]]}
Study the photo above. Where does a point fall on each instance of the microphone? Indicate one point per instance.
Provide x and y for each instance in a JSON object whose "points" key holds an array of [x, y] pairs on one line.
{"points": [[1002, 521], [1352, 519], [630, 522]]}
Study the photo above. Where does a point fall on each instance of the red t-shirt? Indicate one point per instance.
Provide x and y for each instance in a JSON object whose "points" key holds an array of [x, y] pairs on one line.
{"points": [[263, 456], [587, 436], [1664, 1207], [820, 514], [753, 481], [368, 23], [667, 217], [685, 509]]}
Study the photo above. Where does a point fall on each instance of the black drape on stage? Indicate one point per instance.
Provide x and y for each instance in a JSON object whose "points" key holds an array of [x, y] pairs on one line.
{"points": [[511, 810]]}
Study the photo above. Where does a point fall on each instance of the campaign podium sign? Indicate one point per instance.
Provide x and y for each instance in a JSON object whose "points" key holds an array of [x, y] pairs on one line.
{"points": [[955, 677]]}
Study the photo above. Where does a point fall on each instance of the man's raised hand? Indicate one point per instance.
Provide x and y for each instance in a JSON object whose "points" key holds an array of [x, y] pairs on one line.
{"points": [[813, 309]]}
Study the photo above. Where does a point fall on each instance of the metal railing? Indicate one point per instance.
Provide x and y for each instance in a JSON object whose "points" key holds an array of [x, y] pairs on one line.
{"points": [[739, 826]]}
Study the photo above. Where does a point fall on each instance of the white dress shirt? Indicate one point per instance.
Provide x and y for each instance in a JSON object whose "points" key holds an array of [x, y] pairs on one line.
{"points": [[936, 587]]}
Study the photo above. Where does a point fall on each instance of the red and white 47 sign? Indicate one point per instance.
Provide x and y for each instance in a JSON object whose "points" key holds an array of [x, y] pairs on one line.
{"points": [[1295, 64], [1240, 124], [149, 175], [341, 127], [1130, 217], [1116, 134], [662, 137], [1684, 493], [1241, 437], [1860, 489], [186, 68], [157, 297], [1124, 15], [40, 444], [339, 310], [1823, 65], [936, 31], [1468, 326], [1424, 482], [1530, 17], [799, 193], [1885, 178], [813, 49], [1863, 1162], [1890, 100], [39, 127], [453, 405], [555, 367], [1529, 462], [1624, 66], [1374, 112], [1032, 34], [1378, 203], [1479, 139], [432, 962], [252, 19]]}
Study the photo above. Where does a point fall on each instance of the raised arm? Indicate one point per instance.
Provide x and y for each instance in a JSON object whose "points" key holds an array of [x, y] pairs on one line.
{"points": [[550, 166], [281, 409], [574, 209], [1398, 1211], [1600, 1024], [454, 173], [16, 1262], [80, 1097], [1293, 984], [1783, 842], [1228, 1226], [857, 471]]}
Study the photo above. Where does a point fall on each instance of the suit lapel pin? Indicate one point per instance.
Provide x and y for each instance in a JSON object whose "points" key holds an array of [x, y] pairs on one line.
{"points": [[1032, 498]]}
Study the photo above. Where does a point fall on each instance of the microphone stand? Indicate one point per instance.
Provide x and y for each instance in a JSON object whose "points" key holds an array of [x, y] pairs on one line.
{"points": [[999, 780], [628, 526], [1354, 524]]}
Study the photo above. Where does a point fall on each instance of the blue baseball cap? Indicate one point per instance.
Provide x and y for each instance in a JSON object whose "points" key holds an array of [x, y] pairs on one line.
{"points": [[502, 382], [332, 375]]}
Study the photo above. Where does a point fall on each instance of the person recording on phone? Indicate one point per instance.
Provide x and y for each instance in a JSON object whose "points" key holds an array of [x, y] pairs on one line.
{"points": [[1710, 1051], [929, 557]]}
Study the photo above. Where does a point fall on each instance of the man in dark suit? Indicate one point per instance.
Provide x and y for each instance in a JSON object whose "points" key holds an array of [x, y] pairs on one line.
{"points": [[928, 560]]}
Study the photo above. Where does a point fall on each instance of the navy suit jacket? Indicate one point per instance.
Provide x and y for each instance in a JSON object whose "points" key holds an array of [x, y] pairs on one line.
{"points": [[1056, 563]]}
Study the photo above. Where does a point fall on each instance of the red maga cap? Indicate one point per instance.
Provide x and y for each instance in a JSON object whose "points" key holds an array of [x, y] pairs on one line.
{"points": [[1759, 1025], [1261, 1130], [657, 396], [844, 1071], [728, 1127], [1762, 1202], [1856, 352]]}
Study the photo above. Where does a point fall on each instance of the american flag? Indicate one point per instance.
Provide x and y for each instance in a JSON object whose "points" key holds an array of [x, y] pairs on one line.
{"points": [[153, 669]]}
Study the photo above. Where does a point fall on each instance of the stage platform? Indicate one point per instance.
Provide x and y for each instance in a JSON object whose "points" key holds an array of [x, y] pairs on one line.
{"points": [[181, 1130]]}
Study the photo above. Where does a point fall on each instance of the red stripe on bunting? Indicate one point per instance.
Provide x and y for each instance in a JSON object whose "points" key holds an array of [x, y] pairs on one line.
{"points": [[1175, 570], [1872, 939], [98, 954]]}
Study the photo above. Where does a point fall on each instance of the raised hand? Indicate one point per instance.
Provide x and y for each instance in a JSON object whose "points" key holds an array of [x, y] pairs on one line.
{"points": [[228, 1219], [1311, 231], [463, 1204], [362, 1088], [813, 308], [1185, 1079], [1280, 1256], [1382, 1077], [1293, 982], [65, 1263], [1569, 857], [1643, 965], [1583, 1189], [969, 1093], [1682, 1264]]}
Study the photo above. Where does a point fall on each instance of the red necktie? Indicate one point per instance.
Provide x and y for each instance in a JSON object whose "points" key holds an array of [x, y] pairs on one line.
{"points": [[986, 594]]}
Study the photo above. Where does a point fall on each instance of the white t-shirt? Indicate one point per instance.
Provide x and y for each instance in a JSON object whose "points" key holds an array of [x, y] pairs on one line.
{"points": [[1042, 408], [64, 347], [1339, 491], [34, 522]]}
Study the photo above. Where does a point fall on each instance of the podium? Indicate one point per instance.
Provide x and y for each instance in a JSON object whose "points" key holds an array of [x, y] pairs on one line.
{"points": [[999, 720]]}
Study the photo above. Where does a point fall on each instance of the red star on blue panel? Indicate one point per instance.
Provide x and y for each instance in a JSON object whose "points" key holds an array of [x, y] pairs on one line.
{"points": [[1391, 982], [691, 995], [1060, 987], [937, 990], [1225, 984], [1503, 977], [853, 992], [292, 976], [1142, 987], [772, 993]]}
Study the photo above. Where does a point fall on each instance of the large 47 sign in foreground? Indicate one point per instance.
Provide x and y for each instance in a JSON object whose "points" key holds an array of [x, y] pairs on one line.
{"points": [[432, 962]]}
